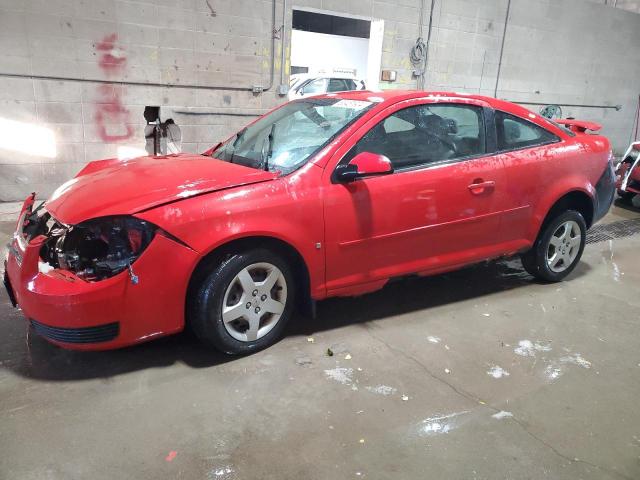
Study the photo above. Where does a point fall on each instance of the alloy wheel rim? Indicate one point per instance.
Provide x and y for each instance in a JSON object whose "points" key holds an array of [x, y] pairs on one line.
{"points": [[564, 246], [254, 301]]}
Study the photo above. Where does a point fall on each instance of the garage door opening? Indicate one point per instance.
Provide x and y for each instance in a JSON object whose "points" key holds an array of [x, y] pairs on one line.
{"points": [[334, 53]]}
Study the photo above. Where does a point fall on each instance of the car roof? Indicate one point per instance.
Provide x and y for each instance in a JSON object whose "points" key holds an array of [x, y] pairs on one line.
{"points": [[393, 96]]}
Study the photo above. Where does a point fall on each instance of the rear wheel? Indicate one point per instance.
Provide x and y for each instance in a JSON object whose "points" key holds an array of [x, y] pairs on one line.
{"points": [[242, 304], [558, 248]]}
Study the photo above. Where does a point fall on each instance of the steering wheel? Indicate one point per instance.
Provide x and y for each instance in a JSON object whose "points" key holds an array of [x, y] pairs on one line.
{"points": [[448, 144]]}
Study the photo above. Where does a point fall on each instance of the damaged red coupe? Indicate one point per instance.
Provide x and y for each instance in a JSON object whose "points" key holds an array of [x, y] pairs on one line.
{"points": [[324, 196]]}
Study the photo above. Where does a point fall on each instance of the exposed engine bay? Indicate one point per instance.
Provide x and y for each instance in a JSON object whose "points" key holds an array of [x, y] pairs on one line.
{"points": [[93, 250]]}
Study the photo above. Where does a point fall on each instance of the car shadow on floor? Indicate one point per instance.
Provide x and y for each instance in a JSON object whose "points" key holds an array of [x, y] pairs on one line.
{"points": [[30, 356], [412, 294]]}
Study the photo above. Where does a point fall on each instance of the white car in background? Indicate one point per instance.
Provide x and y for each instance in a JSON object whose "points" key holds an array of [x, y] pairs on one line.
{"points": [[305, 86]]}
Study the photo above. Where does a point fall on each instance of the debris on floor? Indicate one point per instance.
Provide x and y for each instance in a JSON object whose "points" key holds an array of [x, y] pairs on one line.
{"points": [[172, 454]]}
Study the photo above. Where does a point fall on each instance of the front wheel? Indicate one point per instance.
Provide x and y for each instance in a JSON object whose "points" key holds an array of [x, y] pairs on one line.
{"points": [[242, 304], [558, 248]]}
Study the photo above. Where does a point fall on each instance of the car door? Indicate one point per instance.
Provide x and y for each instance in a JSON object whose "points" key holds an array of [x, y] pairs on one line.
{"points": [[439, 209]]}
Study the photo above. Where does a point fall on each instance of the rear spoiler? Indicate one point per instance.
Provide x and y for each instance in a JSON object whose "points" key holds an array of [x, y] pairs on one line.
{"points": [[578, 126]]}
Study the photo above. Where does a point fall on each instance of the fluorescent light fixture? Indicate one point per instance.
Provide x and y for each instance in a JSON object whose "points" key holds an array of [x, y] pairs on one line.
{"points": [[27, 138]]}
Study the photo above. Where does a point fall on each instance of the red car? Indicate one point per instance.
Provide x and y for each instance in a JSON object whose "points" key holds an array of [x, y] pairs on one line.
{"points": [[324, 196]]}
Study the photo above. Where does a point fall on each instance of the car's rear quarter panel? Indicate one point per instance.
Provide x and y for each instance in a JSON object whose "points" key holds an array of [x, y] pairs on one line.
{"points": [[538, 177]]}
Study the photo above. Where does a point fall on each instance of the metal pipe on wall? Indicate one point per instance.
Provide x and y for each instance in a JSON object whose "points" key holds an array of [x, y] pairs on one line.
{"points": [[283, 41], [504, 34]]}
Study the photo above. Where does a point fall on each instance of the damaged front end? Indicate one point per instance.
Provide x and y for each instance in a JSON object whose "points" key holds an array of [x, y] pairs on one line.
{"points": [[93, 250], [72, 285]]}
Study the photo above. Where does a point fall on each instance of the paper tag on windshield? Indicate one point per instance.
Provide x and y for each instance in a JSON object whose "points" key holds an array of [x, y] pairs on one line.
{"points": [[352, 104]]}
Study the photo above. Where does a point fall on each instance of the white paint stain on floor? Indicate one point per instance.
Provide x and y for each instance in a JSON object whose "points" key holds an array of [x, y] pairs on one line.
{"points": [[433, 339], [556, 368], [527, 348], [221, 473], [340, 374], [497, 371], [502, 414], [440, 424], [382, 390], [576, 359], [553, 372]]}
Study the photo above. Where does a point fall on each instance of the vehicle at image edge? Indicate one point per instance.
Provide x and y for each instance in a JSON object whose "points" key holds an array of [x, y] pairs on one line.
{"points": [[326, 196], [306, 86], [628, 173]]}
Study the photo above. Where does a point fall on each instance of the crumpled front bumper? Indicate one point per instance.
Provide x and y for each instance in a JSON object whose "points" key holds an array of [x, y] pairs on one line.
{"points": [[111, 313]]}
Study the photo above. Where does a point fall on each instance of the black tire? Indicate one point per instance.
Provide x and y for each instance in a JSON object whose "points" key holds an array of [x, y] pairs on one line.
{"points": [[205, 301], [626, 196], [535, 260]]}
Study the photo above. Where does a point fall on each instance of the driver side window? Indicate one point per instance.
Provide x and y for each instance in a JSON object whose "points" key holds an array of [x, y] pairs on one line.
{"points": [[426, 134]]}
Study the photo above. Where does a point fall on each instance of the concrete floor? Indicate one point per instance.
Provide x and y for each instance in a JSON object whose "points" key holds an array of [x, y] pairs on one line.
{"points": [[413, 389]]}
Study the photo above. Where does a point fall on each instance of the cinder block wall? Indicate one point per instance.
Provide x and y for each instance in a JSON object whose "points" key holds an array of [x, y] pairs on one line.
{"points": [[556, 51]]}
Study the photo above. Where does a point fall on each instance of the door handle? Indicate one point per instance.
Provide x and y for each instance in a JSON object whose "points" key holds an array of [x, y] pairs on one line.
{"points": [[479, 187]]}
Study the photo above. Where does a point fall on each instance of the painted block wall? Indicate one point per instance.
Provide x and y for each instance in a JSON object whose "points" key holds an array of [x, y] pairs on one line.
{"points": [[571, 51]]}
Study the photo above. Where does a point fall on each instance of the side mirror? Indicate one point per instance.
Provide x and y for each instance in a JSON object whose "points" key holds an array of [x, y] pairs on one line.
{"points": [[364, 164]]}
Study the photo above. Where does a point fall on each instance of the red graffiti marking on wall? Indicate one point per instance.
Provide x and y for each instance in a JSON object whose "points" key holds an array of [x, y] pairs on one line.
{"points": [[112, 117], [112, 59]]}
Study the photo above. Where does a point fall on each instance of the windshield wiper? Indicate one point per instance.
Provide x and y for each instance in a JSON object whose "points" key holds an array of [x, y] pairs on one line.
{"points": [[266, 157], [239, 136]]}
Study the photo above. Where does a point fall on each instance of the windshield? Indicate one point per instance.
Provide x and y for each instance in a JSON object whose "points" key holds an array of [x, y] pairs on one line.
{"points": [[286, 138]]}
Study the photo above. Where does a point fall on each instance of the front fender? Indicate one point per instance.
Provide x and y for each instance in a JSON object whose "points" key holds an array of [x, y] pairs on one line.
{"points": [[288, 209]]}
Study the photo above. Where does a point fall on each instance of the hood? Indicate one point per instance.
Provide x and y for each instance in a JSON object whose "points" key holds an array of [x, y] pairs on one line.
{"points": [[116, 187]]}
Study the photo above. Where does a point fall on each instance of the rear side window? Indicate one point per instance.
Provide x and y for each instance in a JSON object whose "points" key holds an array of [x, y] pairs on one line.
{"points": [[515, 133]]}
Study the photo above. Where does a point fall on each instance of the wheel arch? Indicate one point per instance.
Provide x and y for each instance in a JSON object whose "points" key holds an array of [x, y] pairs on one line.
{"points": [[274, 244], [578, 200]]}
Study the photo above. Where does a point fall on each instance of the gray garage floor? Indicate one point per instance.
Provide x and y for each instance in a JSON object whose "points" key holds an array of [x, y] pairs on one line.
{"points": [[481, 373]]}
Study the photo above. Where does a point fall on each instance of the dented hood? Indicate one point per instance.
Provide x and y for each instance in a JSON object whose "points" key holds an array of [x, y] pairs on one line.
{"points": [[115, 187]]}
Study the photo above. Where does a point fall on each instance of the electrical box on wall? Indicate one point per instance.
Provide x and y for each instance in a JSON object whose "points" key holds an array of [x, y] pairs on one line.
{"points": [[389, 75]]}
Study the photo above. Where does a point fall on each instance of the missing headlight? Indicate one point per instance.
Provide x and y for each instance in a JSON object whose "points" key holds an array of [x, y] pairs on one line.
{"points": [[99, 248]]}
